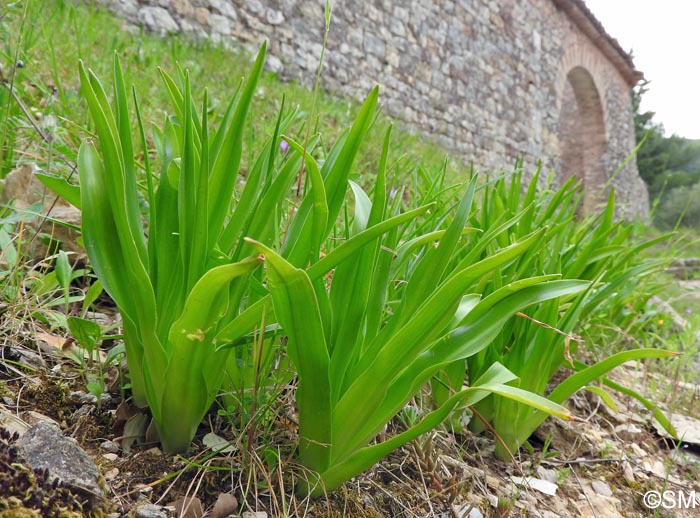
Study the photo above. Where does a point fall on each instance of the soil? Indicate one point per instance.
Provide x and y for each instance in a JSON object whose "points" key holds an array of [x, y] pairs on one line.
{"points": [[600, 466]]}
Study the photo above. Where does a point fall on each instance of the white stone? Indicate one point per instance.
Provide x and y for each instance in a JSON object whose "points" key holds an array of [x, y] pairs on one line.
{"points": [[220, 24], [273, 64], [601, 487], [158, 19], [224, 7], [254, 6], [687, 428], [540, 485], [274, 17]]}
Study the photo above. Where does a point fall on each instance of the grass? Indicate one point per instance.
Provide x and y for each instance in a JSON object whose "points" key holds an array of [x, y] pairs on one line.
{"points": [[50, 36], [45, 120]]}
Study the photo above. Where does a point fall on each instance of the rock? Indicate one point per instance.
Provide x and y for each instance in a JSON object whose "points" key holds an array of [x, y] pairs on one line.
{"points": [[492, 482], [684, 267], [656, 467], [188, 507], [273, 64], [274, 17], [687, 428], [601, 487], [535, 483], [12, 424], [110, 446], [224, 7], [111, 457], [33, 418], [102, 319], [22, 187], [217, 444], [254, 6], [254, 514], [374, 45], [220, 24], [226, 504], [85, 398], [638, 451], [492, 500], [150, 511], [22, 356], [598, 506], [628, 431], [81, 414], [45, 447], [467, 511], [158, 20], [549, 475]]}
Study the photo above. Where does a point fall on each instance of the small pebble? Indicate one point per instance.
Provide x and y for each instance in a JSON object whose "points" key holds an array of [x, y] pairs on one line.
{"points": [[602, 488], [110, 456], [150, 511], [82, 397], [110, 446]]}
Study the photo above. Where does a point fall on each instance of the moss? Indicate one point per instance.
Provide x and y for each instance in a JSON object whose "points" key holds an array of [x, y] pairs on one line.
{"points": [[29, 493], [50, 398]]}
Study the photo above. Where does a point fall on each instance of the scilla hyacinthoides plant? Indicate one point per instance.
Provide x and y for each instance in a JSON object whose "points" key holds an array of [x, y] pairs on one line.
{"points": [[362, 349], [181, 273]]}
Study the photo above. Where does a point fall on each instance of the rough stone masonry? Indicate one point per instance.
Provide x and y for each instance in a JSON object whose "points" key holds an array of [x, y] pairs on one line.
{"points": [[490, 80]]}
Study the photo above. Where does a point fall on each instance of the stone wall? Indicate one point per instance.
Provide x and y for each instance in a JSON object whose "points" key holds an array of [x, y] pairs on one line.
{"points": [[489, 80]]}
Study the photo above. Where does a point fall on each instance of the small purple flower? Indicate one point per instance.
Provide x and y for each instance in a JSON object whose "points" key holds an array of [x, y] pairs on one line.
{"points": [[392, 194], [20, 63], [688, 311], [284, 146]]}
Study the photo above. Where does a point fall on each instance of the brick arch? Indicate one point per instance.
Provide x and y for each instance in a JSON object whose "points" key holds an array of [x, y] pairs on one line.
{"points": [[582, 125]]}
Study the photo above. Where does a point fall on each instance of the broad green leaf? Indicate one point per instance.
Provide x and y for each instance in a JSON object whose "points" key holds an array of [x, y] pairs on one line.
{"points": [[580, 379], [59, 185], [87, 333], [291, 291]]}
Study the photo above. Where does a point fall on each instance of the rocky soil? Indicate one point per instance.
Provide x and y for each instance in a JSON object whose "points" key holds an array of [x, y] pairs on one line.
{"points": [[65, 454]]}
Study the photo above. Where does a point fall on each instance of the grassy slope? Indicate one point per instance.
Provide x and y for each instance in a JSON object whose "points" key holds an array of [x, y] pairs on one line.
{"points": [[52, 35]]}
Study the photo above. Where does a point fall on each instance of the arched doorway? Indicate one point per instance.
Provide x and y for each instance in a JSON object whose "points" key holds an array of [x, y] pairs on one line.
{"points": [[582, 139]]}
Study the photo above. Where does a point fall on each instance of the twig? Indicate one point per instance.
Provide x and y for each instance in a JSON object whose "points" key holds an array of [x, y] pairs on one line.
{"points": [[578, 480]]}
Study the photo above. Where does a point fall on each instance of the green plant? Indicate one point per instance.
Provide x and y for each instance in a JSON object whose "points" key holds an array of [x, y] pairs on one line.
{"points": [[89, 335], [185, 292], [536, 343], [363, 348], [184, 281], [680, 207]]}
